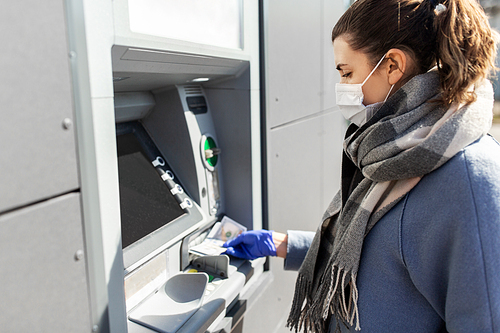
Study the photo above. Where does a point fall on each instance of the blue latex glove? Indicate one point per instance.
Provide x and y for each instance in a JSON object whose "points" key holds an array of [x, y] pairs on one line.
{"points": [[252, 244]]}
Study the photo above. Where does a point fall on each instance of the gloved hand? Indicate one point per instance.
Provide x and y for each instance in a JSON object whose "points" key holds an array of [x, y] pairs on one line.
{"points": [[252, 244]]}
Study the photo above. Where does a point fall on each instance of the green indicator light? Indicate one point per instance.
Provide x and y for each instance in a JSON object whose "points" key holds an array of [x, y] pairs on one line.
{"points": [[210, 144]]}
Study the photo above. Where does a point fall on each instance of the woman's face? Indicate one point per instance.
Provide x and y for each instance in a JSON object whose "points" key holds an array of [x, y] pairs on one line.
{"points": [[354, 67]]}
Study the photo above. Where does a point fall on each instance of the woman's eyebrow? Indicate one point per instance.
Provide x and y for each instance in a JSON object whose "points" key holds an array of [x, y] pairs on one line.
{"points": [[339, 66]]}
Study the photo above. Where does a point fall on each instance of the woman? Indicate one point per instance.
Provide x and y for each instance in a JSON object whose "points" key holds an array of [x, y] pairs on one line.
{"points": [[411, 243]]}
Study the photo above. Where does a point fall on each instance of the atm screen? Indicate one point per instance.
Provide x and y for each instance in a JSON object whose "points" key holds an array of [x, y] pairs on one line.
{"points": [[145, 200]]}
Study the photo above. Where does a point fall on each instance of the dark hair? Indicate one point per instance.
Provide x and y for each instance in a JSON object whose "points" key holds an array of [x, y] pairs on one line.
{"points": [[458, 39]]}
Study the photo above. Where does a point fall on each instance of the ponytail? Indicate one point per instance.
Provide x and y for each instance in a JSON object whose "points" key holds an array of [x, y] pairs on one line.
{"points": [[453, 34], [466, 49]]}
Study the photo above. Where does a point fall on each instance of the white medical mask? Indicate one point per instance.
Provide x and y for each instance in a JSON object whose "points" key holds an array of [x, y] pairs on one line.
{"points": [[350, 99]]}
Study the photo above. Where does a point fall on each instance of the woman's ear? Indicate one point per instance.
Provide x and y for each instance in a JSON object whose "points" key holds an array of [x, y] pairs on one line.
{"points": [[396, 65]]}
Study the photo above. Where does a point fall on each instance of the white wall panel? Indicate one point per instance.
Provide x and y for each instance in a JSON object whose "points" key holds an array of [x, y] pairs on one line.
{"points": [[331, 13], [304, 171], [295, 176], [293, 63]]}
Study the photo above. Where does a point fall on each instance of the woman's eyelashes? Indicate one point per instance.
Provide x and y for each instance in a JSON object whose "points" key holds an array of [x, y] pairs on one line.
{"points": [[346, 74]]}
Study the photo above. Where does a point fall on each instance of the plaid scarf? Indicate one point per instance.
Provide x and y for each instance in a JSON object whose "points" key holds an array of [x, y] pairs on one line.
{"points": [[408, 137]]}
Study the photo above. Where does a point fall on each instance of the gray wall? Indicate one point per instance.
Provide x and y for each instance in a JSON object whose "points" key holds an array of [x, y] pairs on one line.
{"points": [[43, 285], [304, 134]]}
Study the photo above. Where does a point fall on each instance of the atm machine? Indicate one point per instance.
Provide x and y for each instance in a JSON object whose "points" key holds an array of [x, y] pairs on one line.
{"points": [[175, 114], [184, 162], [143, 124], [185, 145]]}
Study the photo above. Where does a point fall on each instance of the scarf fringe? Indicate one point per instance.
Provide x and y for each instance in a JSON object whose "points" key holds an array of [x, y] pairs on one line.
{"points": [[330, 299], [296, 317]]}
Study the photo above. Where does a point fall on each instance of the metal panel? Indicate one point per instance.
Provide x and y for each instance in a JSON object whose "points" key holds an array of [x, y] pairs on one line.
{"points": [[43, 281], [37, 139], [231, 115], [293, 56], [99, 180], [97, 18], [101, 195]]}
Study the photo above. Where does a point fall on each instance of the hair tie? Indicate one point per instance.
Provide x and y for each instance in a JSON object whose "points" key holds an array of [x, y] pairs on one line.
{"points": [[438, 7]]}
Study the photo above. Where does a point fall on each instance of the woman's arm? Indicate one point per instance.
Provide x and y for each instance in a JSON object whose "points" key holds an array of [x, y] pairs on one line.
{"points": [[296, 247], [280, 241]]}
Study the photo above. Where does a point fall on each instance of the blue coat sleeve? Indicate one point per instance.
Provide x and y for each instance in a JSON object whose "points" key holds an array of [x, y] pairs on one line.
{"points": [[451, 248], [297, 247]]}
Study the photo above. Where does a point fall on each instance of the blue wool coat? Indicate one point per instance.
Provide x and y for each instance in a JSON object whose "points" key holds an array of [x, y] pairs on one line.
{"points": [[432, 263]]}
